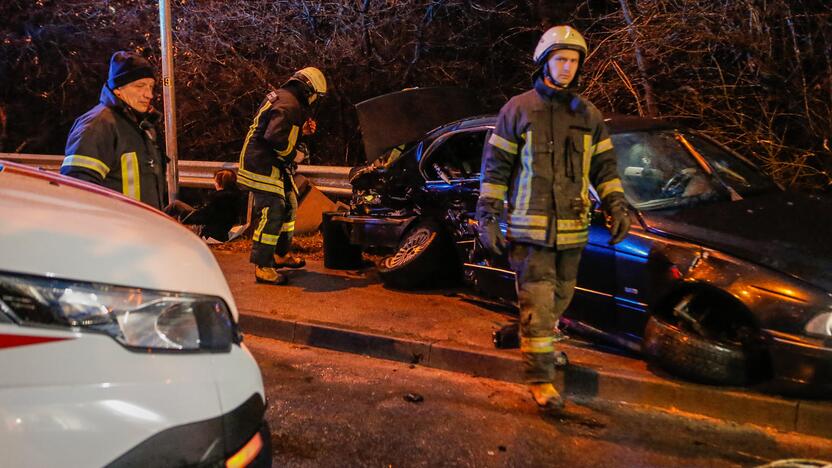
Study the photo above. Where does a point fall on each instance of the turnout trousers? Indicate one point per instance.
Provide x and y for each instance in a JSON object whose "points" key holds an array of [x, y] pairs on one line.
{"points": [[275, 226], [546, 280]]}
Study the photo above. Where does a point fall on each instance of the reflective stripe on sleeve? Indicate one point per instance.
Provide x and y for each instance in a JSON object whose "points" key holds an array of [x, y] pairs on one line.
{"points": [[293, 137], [86, 162], [496, 191], [610, 186], [604, 145], [499, 142], [130, 178], [536, 345]]}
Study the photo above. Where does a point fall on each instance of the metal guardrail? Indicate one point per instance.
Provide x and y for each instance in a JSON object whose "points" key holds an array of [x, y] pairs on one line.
{"points": [[331, 180]]}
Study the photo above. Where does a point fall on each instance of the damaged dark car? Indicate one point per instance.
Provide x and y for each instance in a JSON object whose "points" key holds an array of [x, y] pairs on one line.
{"points": [[724, 278]]}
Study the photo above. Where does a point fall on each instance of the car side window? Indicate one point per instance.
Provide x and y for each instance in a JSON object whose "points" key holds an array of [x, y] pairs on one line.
{"points": [[457, 157]]}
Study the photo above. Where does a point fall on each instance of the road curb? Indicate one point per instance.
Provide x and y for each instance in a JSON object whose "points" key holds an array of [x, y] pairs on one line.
{"points": [[578, 381]]}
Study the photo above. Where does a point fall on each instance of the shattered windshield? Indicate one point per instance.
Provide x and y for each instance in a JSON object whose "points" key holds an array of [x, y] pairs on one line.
{"points": [[666, 169]]}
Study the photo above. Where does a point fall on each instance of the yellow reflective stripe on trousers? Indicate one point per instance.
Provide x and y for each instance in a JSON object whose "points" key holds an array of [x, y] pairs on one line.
{"points": [[602, 146], [293, 137], [288, 227], [130, 178], [537, 345], [268, 239], [524, 179], [496, 191], [610, 186], [264, 218], [568, 238], [251, 130], [87, 162], [499, 142], [516, 232], [538, 221]]}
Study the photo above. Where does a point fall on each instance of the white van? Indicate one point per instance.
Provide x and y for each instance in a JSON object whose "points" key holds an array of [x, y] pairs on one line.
{"points": [[118, 336]]}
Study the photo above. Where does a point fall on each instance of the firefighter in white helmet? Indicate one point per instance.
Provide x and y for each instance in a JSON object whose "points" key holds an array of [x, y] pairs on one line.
{"points": [[548, 145], [267, 163]]}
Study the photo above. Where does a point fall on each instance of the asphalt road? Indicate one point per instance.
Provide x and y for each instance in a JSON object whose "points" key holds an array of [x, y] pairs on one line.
{"points": [[334, 409]]}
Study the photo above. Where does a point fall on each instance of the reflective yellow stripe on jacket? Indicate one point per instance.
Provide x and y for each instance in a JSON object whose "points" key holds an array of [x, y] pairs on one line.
{"points": [[293, 138], [499, 142], [86, 162], [272, 184], [130, 177], [496, 191]]}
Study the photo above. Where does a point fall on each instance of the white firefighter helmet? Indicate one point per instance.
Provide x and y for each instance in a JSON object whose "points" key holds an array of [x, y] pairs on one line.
{"points": [[314, 79], [556, 38]]}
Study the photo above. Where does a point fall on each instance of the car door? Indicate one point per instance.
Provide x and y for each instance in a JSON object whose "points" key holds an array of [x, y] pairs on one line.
{"points": [[594, 302]]}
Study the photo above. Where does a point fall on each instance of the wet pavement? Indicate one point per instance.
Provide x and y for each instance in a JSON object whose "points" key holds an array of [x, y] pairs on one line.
{"points": [[449, 329], [336, 409]]}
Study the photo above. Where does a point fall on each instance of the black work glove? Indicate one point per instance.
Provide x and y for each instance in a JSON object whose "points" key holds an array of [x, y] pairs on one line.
{"points": [[618, 218], [491, 237], [488, 226]]}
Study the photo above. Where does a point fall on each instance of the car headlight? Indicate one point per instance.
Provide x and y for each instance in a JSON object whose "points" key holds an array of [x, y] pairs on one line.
{"points": [[821, 325], [136, 318]]}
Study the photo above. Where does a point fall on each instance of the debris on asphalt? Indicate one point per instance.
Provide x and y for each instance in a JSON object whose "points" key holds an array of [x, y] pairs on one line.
{"points": [[414, 398]]}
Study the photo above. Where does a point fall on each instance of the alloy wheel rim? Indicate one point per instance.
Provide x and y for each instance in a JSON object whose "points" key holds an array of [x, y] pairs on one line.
{"points": [[412, 247]]}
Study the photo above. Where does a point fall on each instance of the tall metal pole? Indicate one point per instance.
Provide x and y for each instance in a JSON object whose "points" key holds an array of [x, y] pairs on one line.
{"points": [[169, 99]]}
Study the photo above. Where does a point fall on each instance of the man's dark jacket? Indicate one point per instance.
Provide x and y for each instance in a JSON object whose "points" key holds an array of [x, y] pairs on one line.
{"points": [[114, 146], [219, 214], [271, 143]]}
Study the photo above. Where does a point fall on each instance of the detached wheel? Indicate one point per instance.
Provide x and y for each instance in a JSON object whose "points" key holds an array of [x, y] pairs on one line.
{"points": [[423, 258], [700, 352]]}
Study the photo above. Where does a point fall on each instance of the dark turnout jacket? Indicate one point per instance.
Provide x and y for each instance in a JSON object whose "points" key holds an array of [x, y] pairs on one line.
{"points": [[271, 142], [545, 150], [113, 146], [219, 213]]}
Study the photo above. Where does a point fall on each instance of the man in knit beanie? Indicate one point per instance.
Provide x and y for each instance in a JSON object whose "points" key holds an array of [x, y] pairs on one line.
{"points": [[114, 144]]}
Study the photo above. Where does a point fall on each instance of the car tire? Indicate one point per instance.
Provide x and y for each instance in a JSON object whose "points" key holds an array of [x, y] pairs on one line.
{"points": [[691, 356], [423, 259], [339, 253]]}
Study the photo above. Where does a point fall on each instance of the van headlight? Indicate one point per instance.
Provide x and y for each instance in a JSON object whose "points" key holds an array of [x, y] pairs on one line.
{"points": [[821, 325], [137, 318]]}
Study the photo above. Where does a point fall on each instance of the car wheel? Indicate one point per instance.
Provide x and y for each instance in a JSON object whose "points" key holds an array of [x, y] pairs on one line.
{"points": [[422, 259], [691, 352]]}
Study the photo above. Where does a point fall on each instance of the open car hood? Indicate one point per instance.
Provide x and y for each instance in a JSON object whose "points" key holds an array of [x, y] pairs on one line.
{"points": [[397, 118], [788, 232]]}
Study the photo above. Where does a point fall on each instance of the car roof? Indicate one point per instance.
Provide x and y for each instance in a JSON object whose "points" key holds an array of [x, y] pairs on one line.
{"points": [[616, 123]]}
